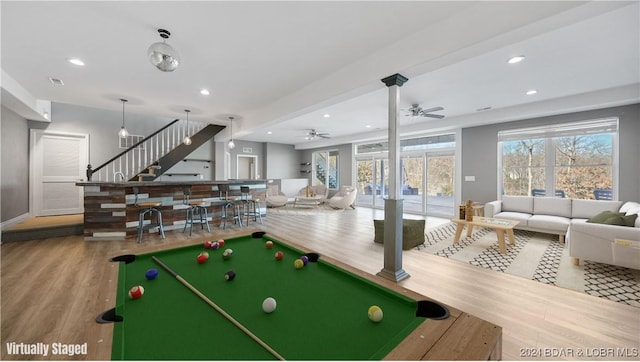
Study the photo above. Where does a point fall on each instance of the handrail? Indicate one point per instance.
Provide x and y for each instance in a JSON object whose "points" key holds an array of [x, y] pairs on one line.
{"points": [[90, 171]]}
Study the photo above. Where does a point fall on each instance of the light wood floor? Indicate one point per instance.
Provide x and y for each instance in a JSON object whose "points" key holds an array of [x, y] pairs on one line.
{"points": [[51, 289]]}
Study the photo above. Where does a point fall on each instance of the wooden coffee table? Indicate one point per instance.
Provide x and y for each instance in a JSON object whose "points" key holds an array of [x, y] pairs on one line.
{"points": [[499, 225]]}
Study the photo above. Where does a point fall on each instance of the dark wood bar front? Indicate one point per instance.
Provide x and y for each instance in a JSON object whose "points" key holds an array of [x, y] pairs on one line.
{"points": [[110, 212]]}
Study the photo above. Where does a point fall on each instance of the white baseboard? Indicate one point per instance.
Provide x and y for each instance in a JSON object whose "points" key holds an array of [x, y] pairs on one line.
{"points": [[16, 220]]}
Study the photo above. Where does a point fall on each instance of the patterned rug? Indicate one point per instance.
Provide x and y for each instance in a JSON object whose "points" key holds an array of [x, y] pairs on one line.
{"points": [[537, 256], [288, 209]]}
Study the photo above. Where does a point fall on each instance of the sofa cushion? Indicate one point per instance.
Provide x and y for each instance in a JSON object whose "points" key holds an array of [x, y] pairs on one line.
{"points": [[549, 222], [630, 207], [587, 208], [515, 216], [517, 204], [552, 206]]}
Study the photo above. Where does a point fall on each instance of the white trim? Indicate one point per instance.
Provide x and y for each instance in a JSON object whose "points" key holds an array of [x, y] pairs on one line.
{"points": [[16, 220], [255, 166]]}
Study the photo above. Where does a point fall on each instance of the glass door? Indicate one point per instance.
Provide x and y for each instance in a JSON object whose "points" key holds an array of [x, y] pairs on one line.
{"points": [[412, 168], [365, 182], [381, 182], [440, 184]]}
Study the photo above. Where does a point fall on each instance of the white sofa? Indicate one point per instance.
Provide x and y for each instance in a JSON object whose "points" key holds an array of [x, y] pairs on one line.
{"points": [[591, 241]]}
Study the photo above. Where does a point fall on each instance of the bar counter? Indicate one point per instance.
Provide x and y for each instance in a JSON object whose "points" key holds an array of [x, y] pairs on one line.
{"points": [[110, 212]]}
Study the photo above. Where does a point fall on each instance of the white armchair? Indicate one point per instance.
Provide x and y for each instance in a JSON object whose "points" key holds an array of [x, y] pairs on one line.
{"points": [[345, 197], [275, 198]]}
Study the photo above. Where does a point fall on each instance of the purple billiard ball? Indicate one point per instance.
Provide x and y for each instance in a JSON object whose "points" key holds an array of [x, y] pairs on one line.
{"points": [[304, 259], [215, 245]]}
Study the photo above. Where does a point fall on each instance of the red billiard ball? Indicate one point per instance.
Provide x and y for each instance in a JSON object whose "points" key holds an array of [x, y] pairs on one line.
{"points": [[207, 245], [202, 257], [279, 255], [136, 292], [221, 242], [269, 244]]}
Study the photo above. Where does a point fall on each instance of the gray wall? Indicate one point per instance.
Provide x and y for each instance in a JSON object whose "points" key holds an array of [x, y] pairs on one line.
{"points": [[282, 161], [257, 149], [480, 151], [15, 165], [101, 125]]}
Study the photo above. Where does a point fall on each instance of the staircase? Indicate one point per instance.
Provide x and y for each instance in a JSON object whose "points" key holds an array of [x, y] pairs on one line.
{"points": [[154, 155]]}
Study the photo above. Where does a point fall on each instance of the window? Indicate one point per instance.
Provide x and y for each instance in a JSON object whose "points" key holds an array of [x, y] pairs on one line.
{"points": [[567, 160], [130, 140], [325, 169]]}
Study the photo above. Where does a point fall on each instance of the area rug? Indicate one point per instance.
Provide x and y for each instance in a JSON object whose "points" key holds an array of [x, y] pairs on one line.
{"points": [[288, 209], [536, 256]]}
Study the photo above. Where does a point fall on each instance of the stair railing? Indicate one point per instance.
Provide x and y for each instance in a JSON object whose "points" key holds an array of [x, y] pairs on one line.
{"points": [[143, 154]]}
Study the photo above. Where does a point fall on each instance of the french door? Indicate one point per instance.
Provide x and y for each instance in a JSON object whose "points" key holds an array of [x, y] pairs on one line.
{"points": [[428, 182]]}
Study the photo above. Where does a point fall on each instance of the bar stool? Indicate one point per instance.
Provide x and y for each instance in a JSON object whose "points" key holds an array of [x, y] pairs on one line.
{"points": [[147, 208], [231, 208], [196, 207], [251, 206]]}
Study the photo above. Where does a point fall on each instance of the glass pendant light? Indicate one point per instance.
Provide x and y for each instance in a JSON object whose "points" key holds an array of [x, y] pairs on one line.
{"points": [[162, 55], [187, 139], [231, 145], [123, 130]]}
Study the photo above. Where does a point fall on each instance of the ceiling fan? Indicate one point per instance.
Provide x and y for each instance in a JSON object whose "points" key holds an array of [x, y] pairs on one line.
{"points": [[417, 111], [313, 134]]}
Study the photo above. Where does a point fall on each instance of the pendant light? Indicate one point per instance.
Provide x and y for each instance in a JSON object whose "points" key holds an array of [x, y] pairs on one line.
{"points": [[187, 139], [123, 131], [231, 145], [162, 55]]}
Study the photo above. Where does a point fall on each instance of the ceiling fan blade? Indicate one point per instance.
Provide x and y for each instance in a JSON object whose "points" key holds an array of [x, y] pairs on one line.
{"points": [[439, 116], [434, 109], [324, 135]]}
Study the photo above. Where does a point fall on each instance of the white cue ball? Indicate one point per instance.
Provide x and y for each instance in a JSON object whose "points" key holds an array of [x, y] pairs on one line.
{"points": [[269, 305]]}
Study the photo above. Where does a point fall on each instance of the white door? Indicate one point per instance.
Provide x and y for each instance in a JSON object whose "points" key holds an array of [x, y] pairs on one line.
{"points": [[58, 161]]}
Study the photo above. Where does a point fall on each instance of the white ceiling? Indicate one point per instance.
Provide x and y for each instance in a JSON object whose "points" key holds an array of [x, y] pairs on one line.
{"points": [[280, 66]]}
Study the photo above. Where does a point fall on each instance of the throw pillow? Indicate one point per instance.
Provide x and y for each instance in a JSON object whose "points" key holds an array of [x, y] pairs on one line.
{"points": [[618, 219], [601, 217]]}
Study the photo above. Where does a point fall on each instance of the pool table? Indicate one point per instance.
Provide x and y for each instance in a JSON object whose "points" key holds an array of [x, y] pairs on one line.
{"points": [[321, 311]]}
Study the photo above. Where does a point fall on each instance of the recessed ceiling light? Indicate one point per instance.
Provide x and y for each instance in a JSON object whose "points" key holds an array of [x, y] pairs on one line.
{"points": [[327, 115], [56, 81], [204, 92], [516, 59], [368, 126], [531, 92], [269, 132], [76, 61]]}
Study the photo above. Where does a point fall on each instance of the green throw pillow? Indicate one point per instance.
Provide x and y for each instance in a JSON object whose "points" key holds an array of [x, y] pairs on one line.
{"points": [[601, 217], [614, 218]]}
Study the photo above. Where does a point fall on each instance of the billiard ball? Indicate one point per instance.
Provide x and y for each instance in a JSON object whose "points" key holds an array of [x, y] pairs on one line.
{"points": [[215, 245], [136, 292], [298, 264], [202, 257], [207, 244], [228, 253], [279, 255], [269, 305], [229, 275], [269, 244], [151, 274], [375, 313], [221, 242], [305, 259]]}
